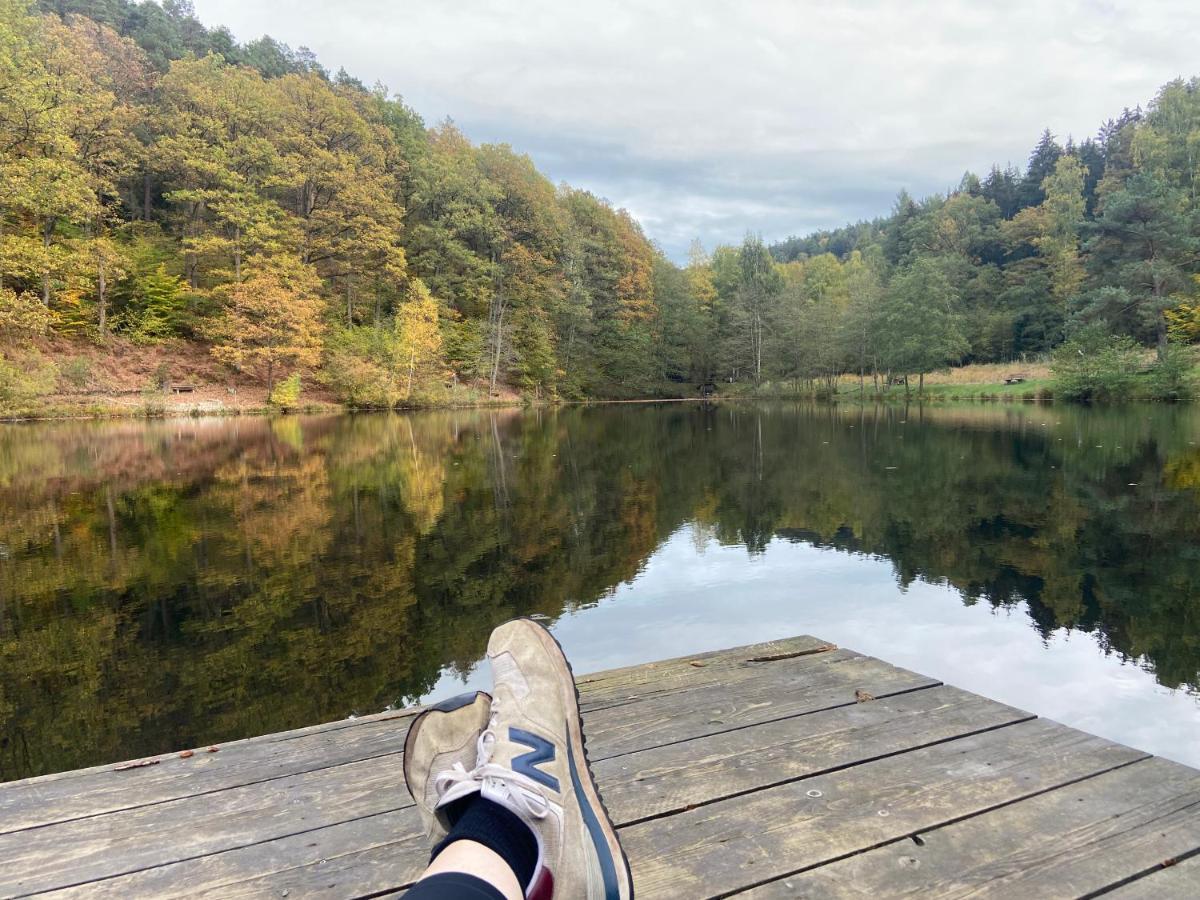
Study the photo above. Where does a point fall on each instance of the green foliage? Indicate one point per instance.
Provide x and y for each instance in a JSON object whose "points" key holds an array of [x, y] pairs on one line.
{"points": [[25, 376], [286, 393], [1174, 375], [1144, 243], [1096, 365], [918, 326], [157, 307]]}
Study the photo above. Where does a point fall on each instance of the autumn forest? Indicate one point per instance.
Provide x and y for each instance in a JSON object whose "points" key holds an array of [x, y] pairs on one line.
{"points": [[163, 183]]}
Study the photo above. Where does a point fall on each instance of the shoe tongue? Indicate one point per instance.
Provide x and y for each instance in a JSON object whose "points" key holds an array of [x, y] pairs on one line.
{"points": [[498, 792], [504, 751]]}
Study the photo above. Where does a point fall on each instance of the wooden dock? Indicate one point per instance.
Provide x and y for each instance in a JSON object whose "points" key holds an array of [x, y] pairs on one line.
{"points": [[786, 769]]}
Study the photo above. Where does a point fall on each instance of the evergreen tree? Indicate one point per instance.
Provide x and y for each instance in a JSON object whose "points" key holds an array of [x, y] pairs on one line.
{"points": [[1041, 164], [1143, 243]]}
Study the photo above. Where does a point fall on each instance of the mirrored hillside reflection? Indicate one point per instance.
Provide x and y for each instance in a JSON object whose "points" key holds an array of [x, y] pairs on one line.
{"points": [[175, 583]]}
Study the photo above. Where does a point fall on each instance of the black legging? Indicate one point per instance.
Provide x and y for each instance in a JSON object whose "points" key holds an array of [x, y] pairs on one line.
{"points": [[453, 886]]}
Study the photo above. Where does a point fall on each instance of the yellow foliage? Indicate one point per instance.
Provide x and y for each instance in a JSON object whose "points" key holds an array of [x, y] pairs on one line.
{"points": [[272, 318], [418, 340], [1184, 320]]}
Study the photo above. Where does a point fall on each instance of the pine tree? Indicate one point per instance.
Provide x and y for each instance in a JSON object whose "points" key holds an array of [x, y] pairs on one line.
{"points": [[1041, 165], [1143, 245]]}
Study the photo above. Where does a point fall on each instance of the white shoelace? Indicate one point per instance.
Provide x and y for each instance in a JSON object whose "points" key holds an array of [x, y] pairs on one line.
{"points": [[518, 792]]}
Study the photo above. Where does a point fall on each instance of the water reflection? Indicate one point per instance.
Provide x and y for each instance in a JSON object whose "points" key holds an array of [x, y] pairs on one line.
{"points": [[173, 583]]}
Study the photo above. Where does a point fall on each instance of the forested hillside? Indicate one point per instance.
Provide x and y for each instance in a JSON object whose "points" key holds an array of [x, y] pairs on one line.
{"points": [[161, 183]]}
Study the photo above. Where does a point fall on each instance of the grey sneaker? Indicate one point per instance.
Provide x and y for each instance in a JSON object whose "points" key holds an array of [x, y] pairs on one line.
{"points": [[441, 749], [532, 761]]}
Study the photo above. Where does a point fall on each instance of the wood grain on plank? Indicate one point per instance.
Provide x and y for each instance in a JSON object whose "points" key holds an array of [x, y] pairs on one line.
{"points": [[347, 859], [776, 691], [737, 843], [106, 790], [102, 846], [1173, 881], [647, 677], [671, 778], [1065, 843]]}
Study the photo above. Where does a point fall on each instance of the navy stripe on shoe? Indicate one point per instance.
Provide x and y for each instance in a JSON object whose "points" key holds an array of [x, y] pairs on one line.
{"points": [[542, 752], [608, 869], [458, 701]]}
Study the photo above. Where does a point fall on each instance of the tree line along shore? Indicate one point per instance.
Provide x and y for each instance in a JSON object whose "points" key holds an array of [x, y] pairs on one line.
{"points": [[189, 220]]}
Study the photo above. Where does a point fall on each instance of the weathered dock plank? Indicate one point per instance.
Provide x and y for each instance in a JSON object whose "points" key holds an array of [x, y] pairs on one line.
{"points": [[33, 803], [668, 779], [644, 783], [1068, 842], [1169, 881], [758, 769], [747, 840]]}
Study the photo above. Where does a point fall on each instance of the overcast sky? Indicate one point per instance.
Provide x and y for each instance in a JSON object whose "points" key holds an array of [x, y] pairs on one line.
{"points": [[710, 119]]}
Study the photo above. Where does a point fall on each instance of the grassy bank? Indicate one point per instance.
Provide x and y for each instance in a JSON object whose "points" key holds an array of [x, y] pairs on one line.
{"points": [[985, 382], [973, 382]]}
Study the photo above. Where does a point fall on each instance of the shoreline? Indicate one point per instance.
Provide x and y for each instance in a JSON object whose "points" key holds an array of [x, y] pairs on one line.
{"points": [[985, 395]]}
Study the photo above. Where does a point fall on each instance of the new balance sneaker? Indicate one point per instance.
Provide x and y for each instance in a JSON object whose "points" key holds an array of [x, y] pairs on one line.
{"points": [[533, 762], [440, 752]]}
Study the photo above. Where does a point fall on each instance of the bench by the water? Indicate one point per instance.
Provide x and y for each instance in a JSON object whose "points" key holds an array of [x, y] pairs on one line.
{"points": [[786, 769]]}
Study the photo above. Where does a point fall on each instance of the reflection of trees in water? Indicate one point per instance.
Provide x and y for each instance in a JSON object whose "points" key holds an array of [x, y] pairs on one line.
{"points": [[167, 584]]}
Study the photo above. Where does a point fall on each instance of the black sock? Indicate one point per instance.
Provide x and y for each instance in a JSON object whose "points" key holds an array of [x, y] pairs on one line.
{"points": [[475, 819]]}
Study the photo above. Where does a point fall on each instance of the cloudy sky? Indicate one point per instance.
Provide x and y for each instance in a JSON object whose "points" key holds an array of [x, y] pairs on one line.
{"points": [[710, 119]]}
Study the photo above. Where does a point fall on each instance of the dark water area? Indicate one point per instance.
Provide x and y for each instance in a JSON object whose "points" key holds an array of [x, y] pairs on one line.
{"points": [[177, 583]]}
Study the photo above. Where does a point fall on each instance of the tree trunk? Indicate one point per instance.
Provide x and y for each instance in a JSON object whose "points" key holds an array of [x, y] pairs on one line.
{"points": [[921, 385], [270, 378], [146, 193], [758, 341], [237, 255], [499, 344], [102, 296], [1161, 324], [47, 231]]}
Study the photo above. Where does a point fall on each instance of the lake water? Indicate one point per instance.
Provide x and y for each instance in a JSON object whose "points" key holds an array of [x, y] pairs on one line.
{"points": [[183, 582]]}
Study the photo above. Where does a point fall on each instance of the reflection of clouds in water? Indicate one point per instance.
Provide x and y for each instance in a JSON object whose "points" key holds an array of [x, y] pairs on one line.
{"points": [[688, 602]]}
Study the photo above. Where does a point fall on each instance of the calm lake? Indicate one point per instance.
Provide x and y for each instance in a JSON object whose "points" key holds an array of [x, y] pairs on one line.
{"points": [[177, 583]]}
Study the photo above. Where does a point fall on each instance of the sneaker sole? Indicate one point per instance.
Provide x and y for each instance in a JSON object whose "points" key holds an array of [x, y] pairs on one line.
{"points": [[619, 878]]}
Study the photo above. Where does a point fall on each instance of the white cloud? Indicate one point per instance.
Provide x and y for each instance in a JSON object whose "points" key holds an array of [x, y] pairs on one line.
{"points": [[714, 118]]}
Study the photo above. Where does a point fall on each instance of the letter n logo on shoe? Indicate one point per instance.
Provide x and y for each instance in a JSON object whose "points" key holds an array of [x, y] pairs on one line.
{"points": [[542, 752]]}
